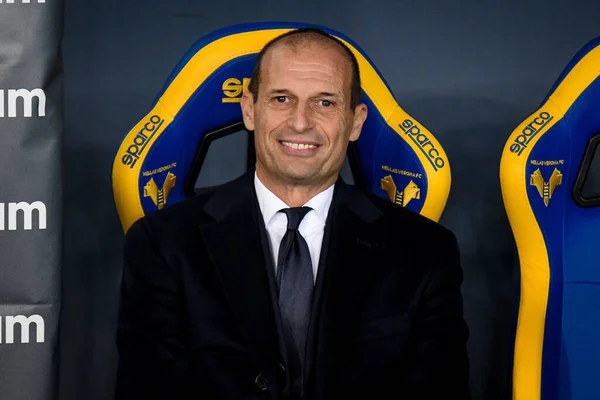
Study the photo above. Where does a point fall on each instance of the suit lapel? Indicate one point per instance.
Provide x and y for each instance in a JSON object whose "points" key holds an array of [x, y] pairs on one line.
{"points": [[353, 237], [234, 245]]}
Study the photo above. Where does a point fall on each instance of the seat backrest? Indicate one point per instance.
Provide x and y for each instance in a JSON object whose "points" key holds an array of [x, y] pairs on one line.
{"points": [[157, 163], [550, 182]]}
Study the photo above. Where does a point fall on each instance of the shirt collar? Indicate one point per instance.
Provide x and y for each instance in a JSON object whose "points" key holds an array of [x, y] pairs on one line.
{"points": [[270, 204]]}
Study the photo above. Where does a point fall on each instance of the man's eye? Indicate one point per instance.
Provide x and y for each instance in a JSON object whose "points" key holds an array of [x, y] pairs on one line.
{"points": [[326, 103], [280, 99]]}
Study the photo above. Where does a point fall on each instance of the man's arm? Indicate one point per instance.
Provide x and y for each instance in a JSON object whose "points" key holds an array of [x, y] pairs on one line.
{"points": [[153, 361], [437, 364]]}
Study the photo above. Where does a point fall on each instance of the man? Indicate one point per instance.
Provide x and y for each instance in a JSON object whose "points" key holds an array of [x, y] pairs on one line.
{"points": [[288, 283]]}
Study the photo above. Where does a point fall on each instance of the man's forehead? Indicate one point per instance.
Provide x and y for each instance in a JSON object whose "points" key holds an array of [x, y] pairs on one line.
{"points": [[315, 51]]}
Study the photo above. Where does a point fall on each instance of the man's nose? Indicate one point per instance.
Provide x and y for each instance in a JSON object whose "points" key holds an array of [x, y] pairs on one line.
{"points": [[301, 118]]}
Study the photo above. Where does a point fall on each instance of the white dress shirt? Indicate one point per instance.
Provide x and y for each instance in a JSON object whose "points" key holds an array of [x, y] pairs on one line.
{"points": [[311, 228]]}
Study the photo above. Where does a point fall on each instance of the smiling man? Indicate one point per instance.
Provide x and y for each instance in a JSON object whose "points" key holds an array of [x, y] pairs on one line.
{"points": [[305, 113], [287, 283]]}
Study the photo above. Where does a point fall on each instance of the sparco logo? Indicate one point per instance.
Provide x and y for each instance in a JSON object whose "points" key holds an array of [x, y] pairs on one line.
{"points": [[21, 1], [11, 325], [14, 100], [233, 89], [140, 140], [423, 142], [530, 131], [13, 213]]}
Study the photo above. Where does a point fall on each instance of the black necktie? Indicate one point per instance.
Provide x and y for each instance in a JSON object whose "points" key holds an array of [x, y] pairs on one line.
{"points": [[295, 282]]}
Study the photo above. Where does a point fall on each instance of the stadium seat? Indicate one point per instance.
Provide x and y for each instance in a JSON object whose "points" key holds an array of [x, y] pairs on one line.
{"points": [[550, 180], [159, 159]]}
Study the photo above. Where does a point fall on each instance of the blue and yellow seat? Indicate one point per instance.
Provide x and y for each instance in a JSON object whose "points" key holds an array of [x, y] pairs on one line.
{"points": [[547, 180], [395, 157]]}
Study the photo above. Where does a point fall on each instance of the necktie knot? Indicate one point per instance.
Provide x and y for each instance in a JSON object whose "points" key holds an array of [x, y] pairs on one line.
{"points": [[295, 216]]}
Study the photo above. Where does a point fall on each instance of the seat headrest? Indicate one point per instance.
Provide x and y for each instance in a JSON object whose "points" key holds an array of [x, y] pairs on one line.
{"points": [[544, 173], [157, 162]]}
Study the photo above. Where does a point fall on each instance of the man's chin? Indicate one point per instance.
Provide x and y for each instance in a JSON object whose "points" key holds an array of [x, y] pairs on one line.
{"points": [[299, 176]]}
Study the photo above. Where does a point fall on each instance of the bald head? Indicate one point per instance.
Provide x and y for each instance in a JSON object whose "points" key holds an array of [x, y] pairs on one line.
{"points": [[307, 39]]}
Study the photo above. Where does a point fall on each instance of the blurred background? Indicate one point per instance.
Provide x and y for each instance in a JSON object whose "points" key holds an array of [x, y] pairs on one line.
{"points": [[468, 71]]}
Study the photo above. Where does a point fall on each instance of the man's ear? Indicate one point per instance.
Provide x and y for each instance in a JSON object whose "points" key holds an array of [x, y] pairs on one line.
{"points": [[247, 104], [360, 115]]}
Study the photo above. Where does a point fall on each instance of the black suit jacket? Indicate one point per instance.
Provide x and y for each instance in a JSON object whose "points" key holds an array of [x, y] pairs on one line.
{"points": [[199, 319]]}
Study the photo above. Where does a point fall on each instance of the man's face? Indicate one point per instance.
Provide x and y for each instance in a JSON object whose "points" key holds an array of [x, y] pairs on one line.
{"points": [[302, 120]]}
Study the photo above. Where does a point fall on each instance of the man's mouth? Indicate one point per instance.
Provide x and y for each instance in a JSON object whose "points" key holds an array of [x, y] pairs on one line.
{"points": [[298, 146]]}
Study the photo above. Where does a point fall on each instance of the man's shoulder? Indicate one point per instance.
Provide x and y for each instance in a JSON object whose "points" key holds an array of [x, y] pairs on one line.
{"points": [[407, 220], [180, 217], [181, 220], [413, 234]]}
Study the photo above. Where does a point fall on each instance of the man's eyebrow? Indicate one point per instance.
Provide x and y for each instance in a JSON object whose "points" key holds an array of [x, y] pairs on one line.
{"points": [[320, 94], [329, 94], [281, 91]]}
